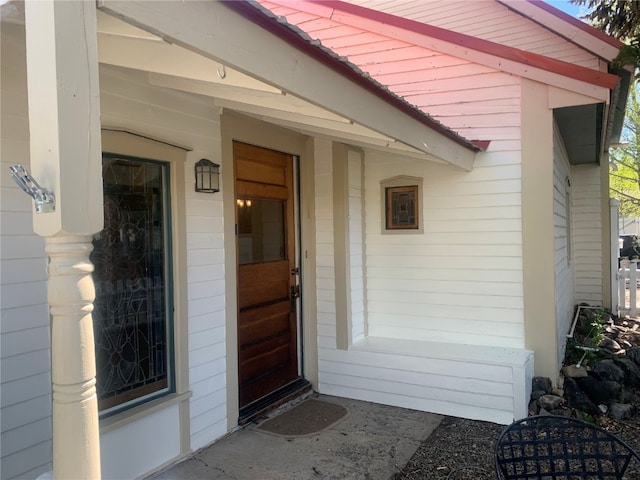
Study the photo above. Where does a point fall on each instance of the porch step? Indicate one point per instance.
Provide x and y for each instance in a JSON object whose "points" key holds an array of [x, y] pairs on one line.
{"points": [[296, 389]]}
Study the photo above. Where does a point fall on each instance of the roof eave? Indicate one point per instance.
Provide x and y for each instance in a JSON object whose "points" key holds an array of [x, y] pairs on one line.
{"points": [[295, 37], [570, 28]]}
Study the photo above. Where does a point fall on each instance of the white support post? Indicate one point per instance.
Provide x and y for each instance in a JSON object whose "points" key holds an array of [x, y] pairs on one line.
{"points": [[614, 206], [64, 123], [76, 452]]}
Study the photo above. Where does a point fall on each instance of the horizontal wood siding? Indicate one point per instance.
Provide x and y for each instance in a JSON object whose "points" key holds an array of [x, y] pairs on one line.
{"points": [[356, 251], [587, 239], [487, 383], [25, 368], [489, 20], [129, 102], [325, 263], [443, 308], [563, 238], [460, 281]]}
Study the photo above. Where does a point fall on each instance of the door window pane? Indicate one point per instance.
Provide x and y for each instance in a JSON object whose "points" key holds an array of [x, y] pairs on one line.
{"points": [[132, 279], [261, 230]]}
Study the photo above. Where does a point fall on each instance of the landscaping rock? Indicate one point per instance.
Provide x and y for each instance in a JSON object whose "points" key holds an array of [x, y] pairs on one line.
{"points": [[541, 383], [614, 389], [607, 384], [577, 399], [630, 369], [608, 370], [610, 344], [634, 354], [573, 371], [620, 411], [595, 390], [550, 402], [536, 394]]}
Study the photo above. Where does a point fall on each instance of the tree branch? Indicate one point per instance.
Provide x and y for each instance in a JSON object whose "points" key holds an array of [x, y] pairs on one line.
{"points": [[630, 198]]}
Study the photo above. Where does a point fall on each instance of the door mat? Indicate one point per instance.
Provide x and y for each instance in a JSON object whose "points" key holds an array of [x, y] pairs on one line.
{"points": [[309, 417]]}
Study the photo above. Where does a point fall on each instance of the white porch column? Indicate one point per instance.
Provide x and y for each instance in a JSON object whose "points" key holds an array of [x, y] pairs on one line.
{"points": [[614, 251], [64, 122]]}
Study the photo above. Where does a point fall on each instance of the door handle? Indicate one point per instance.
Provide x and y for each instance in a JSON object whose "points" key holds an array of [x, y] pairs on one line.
{"points": [[295, 293]]}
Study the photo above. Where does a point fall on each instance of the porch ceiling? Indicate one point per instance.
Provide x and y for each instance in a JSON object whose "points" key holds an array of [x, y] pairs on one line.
{"points": [[173, 67], [208, 45], [581, 130]]}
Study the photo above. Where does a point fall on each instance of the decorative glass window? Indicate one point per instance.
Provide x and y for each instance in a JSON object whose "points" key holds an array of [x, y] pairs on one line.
{"points": [[401, 205], [132, 312]]}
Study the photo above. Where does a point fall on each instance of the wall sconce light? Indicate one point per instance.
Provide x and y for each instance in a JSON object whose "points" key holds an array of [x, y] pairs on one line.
{"points": [[207, 176]]}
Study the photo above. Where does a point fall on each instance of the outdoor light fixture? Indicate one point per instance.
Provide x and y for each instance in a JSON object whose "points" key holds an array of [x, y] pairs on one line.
{"points": [[44, 199], [207, 176]]}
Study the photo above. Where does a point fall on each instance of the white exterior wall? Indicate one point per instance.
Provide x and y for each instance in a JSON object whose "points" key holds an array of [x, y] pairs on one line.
{"points": [[325, 263], [460, 281], [489, 20], [444, 308], [356, 247], [25, 376], [587, 238], [563, 233], [415, 371], [128, 102]]}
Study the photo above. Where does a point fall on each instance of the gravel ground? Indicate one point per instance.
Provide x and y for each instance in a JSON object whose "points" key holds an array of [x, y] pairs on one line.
{"points": [[460, 449]]}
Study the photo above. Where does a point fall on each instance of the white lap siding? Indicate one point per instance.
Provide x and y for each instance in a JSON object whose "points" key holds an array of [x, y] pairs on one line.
{"points": [[563, 238], [25, 369], [442, 303], [130, 103], [587, 237], [461, 280], [356, 247]]}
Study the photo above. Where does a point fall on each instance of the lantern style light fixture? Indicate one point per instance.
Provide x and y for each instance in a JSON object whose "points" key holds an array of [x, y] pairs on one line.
{"points": [[207, 176]]}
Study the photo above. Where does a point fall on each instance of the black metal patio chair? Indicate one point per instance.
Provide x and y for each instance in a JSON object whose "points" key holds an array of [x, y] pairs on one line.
{"points": [[551, 447]]}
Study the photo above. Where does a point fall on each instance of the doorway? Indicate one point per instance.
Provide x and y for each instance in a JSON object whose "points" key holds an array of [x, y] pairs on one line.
{"points": [[268, 275]]}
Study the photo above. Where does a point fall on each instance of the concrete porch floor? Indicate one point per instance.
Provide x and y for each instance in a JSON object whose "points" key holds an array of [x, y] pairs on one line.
{"points": [[371, 442]]}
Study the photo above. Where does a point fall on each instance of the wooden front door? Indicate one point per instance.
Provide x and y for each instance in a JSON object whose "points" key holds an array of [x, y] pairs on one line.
{"points": [[267, 275]]}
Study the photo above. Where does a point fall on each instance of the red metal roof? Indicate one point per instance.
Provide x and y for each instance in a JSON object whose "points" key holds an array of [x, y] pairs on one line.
{"points": [[324, 17], [286, 30]]}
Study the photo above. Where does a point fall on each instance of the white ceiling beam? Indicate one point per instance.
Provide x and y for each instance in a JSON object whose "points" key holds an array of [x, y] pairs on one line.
{"points": [[286, 103], [217, 32], [160, 57], [380, 143], [112, 26], [298, 118], [351, 134], [282, 110]]}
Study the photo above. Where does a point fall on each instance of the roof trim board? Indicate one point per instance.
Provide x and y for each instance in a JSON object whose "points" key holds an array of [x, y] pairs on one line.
{"points": [[594, 32], [255, 12], [458, 43], [570, 28]]}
